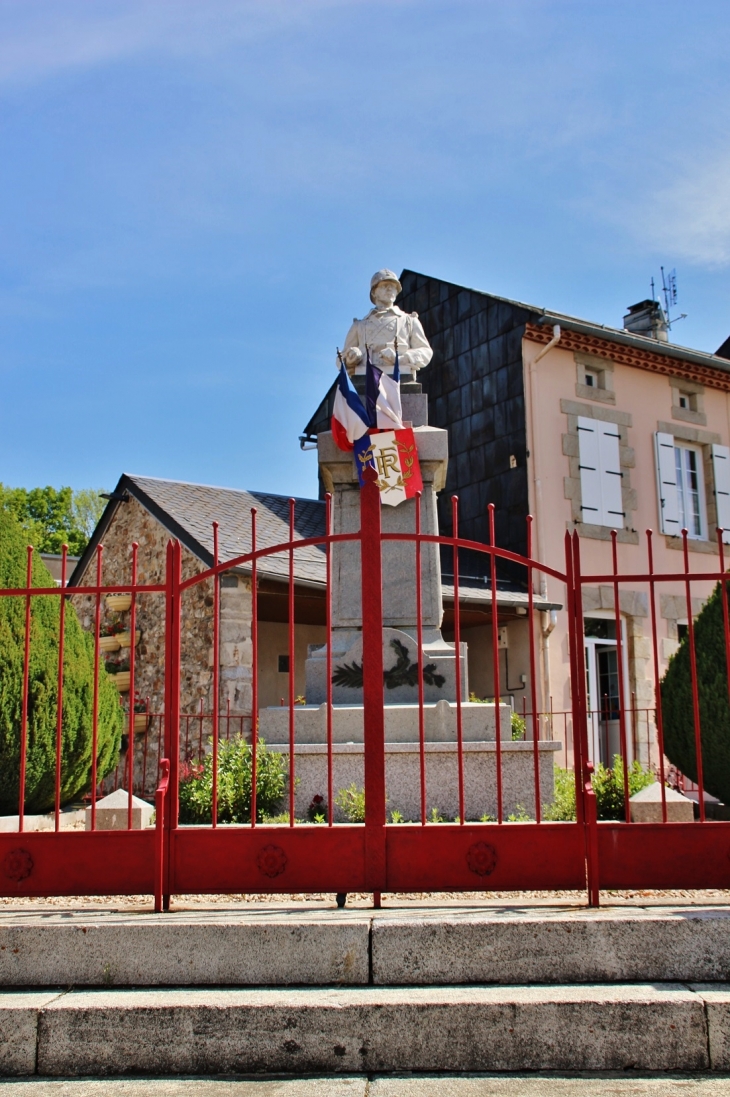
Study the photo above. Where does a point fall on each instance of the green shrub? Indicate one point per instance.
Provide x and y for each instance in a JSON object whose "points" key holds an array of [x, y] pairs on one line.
{"points": [[518, 726], [608, 785], [562, 809], [676, 695], [351, 802], [78, 689], [234, 784]]}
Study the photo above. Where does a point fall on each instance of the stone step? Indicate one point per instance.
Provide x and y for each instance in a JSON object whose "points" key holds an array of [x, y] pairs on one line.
{"points": [[421, 945], [543, 1084], [659, 1027]]}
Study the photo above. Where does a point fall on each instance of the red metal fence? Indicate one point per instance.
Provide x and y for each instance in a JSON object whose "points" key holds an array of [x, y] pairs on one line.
{"points": [[378, 854]]}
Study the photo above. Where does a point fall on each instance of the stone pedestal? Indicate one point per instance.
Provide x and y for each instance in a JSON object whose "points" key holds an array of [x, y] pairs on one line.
{"points": [[478, 723], [400, 660], [111, 812], [646, 805], [399, 588], [402, 777]]}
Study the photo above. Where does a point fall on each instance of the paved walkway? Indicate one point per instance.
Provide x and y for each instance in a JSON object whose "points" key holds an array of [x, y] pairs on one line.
{"points": [[475, 1085]]}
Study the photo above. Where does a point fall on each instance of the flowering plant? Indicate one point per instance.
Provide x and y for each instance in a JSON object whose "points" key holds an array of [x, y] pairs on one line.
{"points": [[112, 628], [117, 666]]}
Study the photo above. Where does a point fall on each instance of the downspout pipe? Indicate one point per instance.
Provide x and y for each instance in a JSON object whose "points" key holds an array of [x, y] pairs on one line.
{"points": [[548, 346], [550, 624]]}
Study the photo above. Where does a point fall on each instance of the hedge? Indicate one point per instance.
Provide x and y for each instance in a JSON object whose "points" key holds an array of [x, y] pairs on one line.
{"points": [[676, 695], [43, 690]]}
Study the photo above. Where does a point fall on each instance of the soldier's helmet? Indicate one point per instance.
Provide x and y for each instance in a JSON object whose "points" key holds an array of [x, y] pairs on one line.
{"points": [[384, 275]]}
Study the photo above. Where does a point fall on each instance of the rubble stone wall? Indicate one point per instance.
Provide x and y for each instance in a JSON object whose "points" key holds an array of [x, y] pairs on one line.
{"points": [[132, 522]]}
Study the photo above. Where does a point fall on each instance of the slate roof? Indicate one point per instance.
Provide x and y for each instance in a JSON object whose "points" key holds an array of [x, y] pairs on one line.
{"points": [[187, 511], [538, 315]]}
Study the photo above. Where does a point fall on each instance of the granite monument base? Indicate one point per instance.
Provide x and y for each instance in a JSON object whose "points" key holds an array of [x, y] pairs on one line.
{"points": [[402, 777], [401, 723], [400, 664]]}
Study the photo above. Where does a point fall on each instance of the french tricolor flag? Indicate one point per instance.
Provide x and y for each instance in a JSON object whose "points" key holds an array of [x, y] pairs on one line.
{"points": [[382, 394], [349, 419]]}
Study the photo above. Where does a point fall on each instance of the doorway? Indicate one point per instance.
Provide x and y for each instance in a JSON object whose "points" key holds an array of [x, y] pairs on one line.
{"points": [[602, 682]]}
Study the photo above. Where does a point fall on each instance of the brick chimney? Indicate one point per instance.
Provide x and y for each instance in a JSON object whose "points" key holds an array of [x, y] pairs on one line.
{"points": [[647, 318]]}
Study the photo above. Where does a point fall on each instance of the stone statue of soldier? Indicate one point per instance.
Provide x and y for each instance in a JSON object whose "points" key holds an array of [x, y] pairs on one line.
{"points": [[377, 332]]}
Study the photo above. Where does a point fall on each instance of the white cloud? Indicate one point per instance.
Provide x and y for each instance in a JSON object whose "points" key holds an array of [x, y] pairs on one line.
{"points": [[690, 216], [42, 40]]}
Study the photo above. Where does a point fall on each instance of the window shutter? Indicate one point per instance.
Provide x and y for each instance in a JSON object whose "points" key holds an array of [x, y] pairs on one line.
{"points": [[600, 473], [590, 476], [667, 484], [721, 474], [611, 477]]}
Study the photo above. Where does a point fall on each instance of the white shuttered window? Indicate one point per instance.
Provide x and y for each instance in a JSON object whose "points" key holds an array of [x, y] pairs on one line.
{"points": [[721, 476], [667, 484], [600, 473], [680, 485]]}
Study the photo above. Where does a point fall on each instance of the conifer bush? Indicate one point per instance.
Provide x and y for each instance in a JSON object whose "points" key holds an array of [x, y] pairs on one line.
{"points": [[43, 690], [676, 694]]}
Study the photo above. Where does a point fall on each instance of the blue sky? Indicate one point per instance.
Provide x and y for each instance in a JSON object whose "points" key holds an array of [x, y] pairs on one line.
{"points": [[193, 197]]}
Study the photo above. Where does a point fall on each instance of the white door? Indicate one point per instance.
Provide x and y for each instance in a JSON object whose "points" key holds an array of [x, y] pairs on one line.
{"points": [[602, 681]]}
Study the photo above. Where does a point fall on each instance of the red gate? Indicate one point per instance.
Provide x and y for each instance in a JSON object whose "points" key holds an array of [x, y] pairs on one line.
{"points": [[375, 856]]}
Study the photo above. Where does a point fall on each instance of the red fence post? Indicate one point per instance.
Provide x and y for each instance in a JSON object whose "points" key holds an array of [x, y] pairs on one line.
{"points": [[586, 805], [373, 688], [173, 579], [160, 860]]}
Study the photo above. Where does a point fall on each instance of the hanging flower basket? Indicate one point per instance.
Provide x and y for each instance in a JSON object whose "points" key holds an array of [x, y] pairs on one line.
{"points": [[109, 643], [125, 638], [118, 603], [140, 721], [121, 680]]}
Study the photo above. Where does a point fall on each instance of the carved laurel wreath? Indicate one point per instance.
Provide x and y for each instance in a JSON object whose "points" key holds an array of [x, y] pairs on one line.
{"points": [[404, 673]]}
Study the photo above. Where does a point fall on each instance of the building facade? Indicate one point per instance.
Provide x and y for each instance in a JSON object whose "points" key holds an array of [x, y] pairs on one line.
{"points": [[589, 429]]}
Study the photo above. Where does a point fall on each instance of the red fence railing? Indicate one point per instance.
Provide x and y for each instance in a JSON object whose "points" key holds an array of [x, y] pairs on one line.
{"points": [[457, 762]]}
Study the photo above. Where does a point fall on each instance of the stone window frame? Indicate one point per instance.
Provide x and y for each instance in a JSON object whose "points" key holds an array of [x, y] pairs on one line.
{"points": [[571, 484], [696, 412], [602, 368], [704, 440], [673, 609]]}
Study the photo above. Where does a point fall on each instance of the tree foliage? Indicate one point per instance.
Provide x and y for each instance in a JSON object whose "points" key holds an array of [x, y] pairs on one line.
{"points": [[78, 687], [53, 517], [712, 683]]}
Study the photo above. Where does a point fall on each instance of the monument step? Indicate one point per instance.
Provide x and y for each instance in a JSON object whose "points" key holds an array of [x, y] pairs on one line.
{"points": [[660, 1027], [418, 946]]}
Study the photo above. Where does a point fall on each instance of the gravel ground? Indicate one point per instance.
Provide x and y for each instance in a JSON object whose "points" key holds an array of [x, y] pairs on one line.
{"points": [[365, 901]]}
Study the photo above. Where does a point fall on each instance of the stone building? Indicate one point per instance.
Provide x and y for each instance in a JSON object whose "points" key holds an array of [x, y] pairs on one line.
{"points": [[150, 512]]}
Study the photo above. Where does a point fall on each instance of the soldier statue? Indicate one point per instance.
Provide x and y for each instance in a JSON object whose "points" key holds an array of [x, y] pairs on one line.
{"points": [[378, 331]]}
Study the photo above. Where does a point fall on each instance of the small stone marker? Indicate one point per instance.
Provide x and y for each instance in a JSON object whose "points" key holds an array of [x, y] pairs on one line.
{"points": [[646, 805], [111, 812]]}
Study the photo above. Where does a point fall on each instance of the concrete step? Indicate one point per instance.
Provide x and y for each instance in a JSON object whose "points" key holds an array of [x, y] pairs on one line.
{"points": [[421, 1085], [419, 946], [649, 1027]]}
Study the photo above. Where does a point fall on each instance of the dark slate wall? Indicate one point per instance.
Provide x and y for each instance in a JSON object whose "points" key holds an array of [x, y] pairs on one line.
{"points": [[475, 390]]}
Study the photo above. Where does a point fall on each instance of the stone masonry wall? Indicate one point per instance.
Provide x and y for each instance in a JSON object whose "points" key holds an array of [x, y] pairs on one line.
{"points": [[130, 523]]}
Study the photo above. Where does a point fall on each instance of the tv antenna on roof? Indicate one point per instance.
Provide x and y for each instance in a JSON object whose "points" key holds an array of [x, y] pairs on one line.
{"points": [[670, 295]]}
